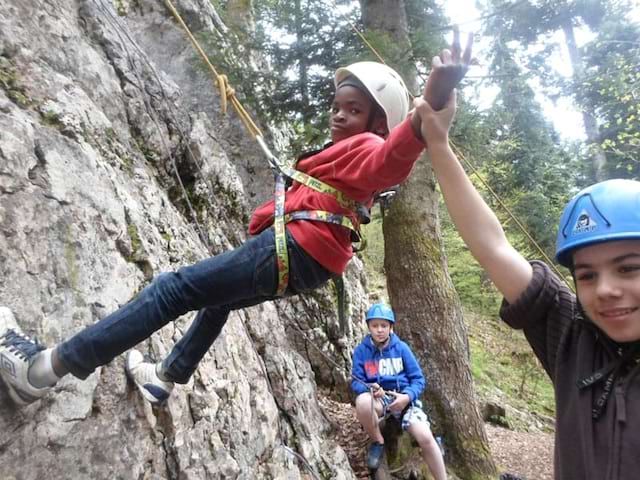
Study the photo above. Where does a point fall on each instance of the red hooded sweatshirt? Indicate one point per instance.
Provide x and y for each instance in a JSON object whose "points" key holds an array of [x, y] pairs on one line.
{"points": [[358, 166]]}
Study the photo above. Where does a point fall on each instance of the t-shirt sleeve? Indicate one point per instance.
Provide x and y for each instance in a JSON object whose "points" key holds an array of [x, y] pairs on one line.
{"points": [[545, 311]]}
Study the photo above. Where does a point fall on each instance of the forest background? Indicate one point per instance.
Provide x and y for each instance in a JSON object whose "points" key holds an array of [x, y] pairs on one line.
{"points": [[112, 92], [503, 133]]}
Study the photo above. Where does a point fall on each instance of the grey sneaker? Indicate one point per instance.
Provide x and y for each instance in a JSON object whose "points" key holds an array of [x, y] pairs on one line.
{"points": [[17, 352], [143, 374]]}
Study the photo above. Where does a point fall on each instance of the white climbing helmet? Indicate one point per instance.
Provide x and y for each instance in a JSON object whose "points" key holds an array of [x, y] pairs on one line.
{"points": [[384, 85]]}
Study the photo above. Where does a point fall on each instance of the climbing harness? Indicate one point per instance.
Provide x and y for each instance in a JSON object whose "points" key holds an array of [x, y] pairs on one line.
{"points": [[281, 172], [281, 219]]}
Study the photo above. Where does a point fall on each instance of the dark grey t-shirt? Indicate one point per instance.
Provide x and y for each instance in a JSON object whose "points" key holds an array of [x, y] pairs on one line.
{"points": [[571, 349]]}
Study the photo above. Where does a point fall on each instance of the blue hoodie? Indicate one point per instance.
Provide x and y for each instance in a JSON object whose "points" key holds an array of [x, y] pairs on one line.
{"points": [[394, 367]]}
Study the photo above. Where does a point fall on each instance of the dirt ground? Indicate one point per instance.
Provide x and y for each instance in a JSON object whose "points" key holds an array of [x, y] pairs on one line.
{"points": [[524, 455]]}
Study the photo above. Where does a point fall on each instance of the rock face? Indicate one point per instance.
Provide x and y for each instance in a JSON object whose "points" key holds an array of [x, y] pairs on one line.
{"points": [[116, 165]]}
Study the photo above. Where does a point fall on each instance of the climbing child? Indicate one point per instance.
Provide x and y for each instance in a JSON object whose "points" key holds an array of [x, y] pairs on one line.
{"points": [[388, 381], [588, 343], [374, 147]]}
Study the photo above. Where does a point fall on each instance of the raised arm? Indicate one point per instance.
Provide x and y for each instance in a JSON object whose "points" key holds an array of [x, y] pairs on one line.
{"points": [[447, 70], [476, 222]]}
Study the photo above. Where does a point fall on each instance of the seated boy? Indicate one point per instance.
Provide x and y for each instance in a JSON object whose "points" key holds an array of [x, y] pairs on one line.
{"points": [[388, 380]]}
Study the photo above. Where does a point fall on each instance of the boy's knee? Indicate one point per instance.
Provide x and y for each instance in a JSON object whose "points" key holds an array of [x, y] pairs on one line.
{"points": [[422, 434], [167, 291], [427, 441], [362, 400], [366, 404]]}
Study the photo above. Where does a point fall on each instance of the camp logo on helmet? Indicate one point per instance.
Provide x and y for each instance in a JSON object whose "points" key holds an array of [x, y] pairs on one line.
{"points": [[584, 224]]}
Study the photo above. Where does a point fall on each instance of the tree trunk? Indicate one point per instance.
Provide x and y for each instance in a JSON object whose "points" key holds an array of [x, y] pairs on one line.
{"points": [[302, 61], [422, 294], [240, 15], [430, 319], [598, 158]]}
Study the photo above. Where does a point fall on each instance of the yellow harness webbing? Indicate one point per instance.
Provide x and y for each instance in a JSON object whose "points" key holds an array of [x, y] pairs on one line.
{"points": [[281, 219]]}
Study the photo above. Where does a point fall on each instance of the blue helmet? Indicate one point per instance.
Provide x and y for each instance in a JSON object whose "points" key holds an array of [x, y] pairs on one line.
{"points": [[606, 211], [381, 310]]}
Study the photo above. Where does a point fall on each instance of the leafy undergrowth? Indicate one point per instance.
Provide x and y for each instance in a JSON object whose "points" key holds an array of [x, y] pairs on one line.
{"points": [[507, 373], [373, 256]]}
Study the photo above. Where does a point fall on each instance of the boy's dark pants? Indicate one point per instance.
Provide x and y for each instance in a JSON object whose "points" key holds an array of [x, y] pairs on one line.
{"points": [[236, 279]]}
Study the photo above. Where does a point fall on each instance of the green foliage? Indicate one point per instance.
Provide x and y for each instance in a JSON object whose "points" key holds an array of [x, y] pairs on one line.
{"points": [[121, 7], [606, 70], [502, 363], [505, 369], [301, 43], [373, 256], [427, 23], [518, 155], [474, 288], [136, 243], [52, 119], [609, 87]]}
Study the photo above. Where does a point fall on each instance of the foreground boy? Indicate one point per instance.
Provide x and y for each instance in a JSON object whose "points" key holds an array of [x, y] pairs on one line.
{"points": [[395, 383], [375, 146], [589, 344]]}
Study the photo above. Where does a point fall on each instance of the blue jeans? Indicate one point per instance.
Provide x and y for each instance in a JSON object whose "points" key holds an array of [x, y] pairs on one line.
{"points": [[236, 279]]}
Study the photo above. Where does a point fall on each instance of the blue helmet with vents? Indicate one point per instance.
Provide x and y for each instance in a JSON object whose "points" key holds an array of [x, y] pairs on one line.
{"points": [[603, 212], [382, 311]]}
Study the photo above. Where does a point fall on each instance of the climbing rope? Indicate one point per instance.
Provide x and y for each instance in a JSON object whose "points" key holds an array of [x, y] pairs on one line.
{"points": [[298, 176], [123, 34], [303, 461], [226, 92], [463, 158], [280, 172], [475, 171]]}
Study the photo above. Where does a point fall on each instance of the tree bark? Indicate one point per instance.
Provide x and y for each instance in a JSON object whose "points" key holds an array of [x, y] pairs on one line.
{"points": [[598, 158], [422, 294], [240, 15], [302, 61]]}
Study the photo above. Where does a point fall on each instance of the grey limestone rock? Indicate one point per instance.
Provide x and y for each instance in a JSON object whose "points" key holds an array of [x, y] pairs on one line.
{"points": [[102, 110]]}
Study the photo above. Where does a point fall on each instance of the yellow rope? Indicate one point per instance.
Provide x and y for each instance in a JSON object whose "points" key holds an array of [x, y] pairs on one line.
{"points": [[471, 167], [360, 34], [226, 92]]}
